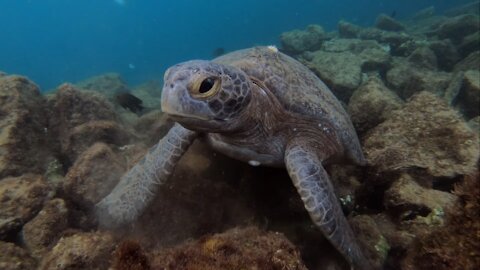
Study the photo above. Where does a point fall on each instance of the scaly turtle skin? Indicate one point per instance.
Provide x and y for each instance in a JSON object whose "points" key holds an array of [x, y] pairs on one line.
{"points": [[259, 106]]}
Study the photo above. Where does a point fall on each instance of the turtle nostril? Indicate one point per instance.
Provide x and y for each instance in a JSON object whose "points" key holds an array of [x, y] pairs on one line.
{"points": [[206, 85]]}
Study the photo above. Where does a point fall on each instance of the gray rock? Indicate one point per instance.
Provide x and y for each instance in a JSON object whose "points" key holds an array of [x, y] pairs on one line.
{"points": [[447, 55], [13, 257], [42, 232], [107, 84], [469, 94], [470, 44], [426, 133], [299, 41], [406, 79], [24, 137], [371, 104], [87, 250], [93, 175], [423, 57], [458, 27], [468, 63], [348, 30], [22, 198], [408, 200], [388, 23]]}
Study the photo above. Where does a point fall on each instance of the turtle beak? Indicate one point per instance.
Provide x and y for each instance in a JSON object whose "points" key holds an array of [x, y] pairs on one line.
{"points": [[177, 102]]}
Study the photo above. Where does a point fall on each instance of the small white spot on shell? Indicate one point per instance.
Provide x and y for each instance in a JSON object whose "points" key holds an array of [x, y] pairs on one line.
{"points": [[273, 48], [253, 162], [319, 124], [294, 129]]}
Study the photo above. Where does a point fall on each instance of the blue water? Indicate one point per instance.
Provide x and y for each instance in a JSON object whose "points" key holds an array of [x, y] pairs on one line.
{"points": [[53, 41]]}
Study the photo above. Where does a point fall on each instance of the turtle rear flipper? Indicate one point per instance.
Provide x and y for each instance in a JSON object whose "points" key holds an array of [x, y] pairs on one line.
{"points": [[316, 191], [138, 186]]}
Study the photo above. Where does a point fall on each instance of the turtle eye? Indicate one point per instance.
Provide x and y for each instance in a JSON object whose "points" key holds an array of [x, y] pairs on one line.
{"points": [[205, 87]]}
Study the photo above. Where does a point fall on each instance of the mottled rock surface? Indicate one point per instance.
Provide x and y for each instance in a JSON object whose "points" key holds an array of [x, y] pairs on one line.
{"points": [[374, 244], [21, 199], [42, 232], [149, 93], [23, 138], [468, 63], [427, 134], [458, 27], [298, 41], [13, 257], [107, 84], [248, 248], [88, 250], [406, 79], [93, 175], [408, 199], [371, 104], [70, 108], [388, 23]]}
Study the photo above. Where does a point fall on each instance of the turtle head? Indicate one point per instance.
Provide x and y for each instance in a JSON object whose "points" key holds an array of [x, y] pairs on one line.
{"points": [[205, 96]]}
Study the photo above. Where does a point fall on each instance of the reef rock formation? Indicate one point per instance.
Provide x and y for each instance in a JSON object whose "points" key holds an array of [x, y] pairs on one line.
{"points": [[107, 84], [13, 257], [299, 41], [426, 134], [247, 248], [42, 232], [22, 198], [371, 104], [80, 251], [24, 136]]}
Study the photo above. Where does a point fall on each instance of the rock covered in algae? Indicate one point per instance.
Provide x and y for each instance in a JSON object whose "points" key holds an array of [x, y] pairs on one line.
{"points": [[374, 244], [85, 250], [22, 198], [455, 246], [42, 232], [23, 127], [388, 23], [13, 257], [426, 133], [248, 248], [371, 104], [93, 175], [298, 41], [107, 84], [456, 28], [407, 78], [408, 200], [70, 108]]}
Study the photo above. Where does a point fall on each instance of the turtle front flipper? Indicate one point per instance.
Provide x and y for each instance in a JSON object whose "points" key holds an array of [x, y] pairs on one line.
{"points": [[313, 185], [138, 186]]}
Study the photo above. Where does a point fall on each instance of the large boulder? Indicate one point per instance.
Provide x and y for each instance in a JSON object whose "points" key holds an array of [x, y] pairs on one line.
{"points": [[248, 248], [458, 27], [93, 175], [107, 84], [406, 78], [299, 41], [24, 134], [388, 23], [80, 118], [87, 250], [13, 257], [42, 232], [371, 104], [341, 62], [426, 133], [22, 198]]}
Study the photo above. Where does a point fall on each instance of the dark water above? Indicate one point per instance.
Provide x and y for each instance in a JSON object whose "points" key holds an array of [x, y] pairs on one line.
{"points": [[53, 41]]}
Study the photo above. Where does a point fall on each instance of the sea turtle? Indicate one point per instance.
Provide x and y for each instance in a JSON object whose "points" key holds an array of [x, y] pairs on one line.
{"points": [[260, 106]]}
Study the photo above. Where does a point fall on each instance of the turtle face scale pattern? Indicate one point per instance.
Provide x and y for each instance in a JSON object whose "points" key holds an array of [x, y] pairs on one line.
{"points": [[205, 96], [259, 106]]}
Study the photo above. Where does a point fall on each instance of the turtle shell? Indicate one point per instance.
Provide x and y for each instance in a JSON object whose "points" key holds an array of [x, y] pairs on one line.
{"points": [[298, 89]]}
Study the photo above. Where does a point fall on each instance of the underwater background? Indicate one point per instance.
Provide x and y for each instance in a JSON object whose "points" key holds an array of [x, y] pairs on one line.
{"points": [[80, 90], [54, 41]]}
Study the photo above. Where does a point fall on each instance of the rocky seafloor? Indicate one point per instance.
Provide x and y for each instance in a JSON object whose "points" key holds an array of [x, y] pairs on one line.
{"points": [[412, 88]]}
